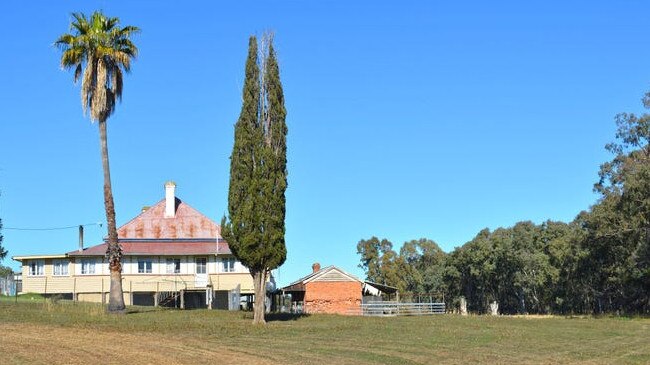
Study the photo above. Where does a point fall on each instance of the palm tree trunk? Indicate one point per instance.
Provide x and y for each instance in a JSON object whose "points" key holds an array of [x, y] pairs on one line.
{"points": [[259, 288], [113, 251]]}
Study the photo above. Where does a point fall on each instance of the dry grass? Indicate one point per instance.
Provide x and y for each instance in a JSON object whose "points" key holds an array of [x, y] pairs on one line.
{"points": [[62, 333], [46, 344]]}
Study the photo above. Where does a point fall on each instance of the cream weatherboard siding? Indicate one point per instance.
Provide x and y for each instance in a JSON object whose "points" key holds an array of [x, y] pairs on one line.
{"points": [[89, 287]]}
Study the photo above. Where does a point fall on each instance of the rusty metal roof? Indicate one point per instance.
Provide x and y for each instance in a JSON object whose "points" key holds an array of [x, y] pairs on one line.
{"points": [[187, 233], [186, 223], [161, 247]]}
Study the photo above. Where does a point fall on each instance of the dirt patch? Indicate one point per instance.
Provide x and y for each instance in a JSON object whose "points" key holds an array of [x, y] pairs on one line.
{"points": [[42, 344]]}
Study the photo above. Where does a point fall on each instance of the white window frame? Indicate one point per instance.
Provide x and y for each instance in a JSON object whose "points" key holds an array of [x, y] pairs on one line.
{"points": [[88, 267], [147, 267], [228, 264], [60, 267], [175, 267], [36, 268], [204, 265]]}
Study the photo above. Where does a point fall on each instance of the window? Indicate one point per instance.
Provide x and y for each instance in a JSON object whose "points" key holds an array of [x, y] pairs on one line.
{"points": [[36, 268], [144, 266], [200, 265], [60, 267], [173, 266], [87, 266], [228, 265]]}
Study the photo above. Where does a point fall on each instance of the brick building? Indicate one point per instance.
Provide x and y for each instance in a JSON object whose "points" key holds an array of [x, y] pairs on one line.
{"points": [[327, 290]]}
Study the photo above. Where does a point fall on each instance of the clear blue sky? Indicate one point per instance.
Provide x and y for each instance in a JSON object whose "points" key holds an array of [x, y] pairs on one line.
{"points": [[406, 119]]}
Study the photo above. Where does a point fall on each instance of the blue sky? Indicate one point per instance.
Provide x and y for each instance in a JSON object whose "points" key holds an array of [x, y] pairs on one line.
{"points": [[406, 119]]}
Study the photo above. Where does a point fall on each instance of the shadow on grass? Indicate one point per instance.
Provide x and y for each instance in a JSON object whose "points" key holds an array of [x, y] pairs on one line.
{"points": [[134, 309], [277, 317]]}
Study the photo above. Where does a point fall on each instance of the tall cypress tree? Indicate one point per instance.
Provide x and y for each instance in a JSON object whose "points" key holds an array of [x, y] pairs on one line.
{"points": [[258, 175], [275, 151]]}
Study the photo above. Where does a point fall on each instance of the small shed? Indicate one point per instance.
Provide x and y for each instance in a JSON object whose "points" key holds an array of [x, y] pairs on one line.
{"points": [[327, 290]]}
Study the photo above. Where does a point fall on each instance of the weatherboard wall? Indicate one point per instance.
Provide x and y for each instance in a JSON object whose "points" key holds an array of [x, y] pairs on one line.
{"points": [[89, 287]]}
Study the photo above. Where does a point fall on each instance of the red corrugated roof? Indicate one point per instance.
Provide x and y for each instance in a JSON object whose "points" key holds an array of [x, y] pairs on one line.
{"points": [[160, 248], [187, 223], [150, 233]]}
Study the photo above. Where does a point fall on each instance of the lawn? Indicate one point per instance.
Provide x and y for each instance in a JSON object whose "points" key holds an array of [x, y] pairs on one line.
{"points": [[38, 331]]}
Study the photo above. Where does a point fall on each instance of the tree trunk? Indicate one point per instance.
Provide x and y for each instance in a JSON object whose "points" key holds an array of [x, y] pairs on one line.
{"points": [[259, 286], [113, 251]]}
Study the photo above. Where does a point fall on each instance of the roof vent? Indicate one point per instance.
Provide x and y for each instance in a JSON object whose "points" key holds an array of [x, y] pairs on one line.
{"points": [[170, 199], [315, 267]]}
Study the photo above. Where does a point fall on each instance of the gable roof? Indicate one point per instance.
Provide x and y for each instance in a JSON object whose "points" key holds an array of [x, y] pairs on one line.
{"points": [[187, 223], [330, 273]]}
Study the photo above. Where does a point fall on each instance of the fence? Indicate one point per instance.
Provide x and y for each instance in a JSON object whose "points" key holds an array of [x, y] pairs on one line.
{"points": [[7, 285], [401, 309]]}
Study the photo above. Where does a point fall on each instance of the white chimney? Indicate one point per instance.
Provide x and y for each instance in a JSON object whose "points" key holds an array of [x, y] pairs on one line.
{"points": [[170, 199]]}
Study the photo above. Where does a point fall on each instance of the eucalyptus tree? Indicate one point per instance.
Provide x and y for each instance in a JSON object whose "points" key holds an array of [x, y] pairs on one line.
{"points": [[618, 240], [100, 52]]}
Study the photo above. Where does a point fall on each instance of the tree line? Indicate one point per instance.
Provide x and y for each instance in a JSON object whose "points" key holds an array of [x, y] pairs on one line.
{"points": [[597, 263]]}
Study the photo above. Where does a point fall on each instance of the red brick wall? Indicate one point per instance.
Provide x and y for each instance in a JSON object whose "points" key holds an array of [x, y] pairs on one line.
{"points": [[341, 297]]}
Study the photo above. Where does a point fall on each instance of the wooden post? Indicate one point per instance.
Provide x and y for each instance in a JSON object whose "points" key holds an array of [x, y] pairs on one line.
{"points": [[155, 296], [463, 306], [103, 297], [208, 296], [182, 299], [74, 289]]}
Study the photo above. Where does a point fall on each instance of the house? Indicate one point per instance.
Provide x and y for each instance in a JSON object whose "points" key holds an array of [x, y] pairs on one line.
{"points": [[172, 255], [331, 290]]}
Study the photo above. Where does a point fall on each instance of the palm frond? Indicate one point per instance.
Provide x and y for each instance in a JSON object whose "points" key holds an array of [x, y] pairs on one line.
{"points": [[77, 72], [72, 57], [98, 111], [87, 85], [111, 23], [65, 41], [80, 23], [129, 30], [116, 83], [99, 51]]}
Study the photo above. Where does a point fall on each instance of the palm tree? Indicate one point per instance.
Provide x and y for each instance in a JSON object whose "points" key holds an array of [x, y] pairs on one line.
{"points": [[100, 51]]}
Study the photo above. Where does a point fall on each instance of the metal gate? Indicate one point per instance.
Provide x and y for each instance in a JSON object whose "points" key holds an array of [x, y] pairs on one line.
{"points": [[401, 309]]}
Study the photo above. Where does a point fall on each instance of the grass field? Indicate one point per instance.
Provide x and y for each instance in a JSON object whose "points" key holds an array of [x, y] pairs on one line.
{"points": [[36, 331]]}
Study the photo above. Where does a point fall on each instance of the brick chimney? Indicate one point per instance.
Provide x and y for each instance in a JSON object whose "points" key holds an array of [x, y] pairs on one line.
{"points": [[315, 267], [170, 199]]}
